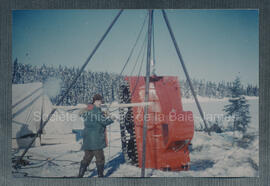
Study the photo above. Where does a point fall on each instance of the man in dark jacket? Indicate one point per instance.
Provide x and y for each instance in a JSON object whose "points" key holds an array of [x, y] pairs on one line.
{"points": [[94, 141]]}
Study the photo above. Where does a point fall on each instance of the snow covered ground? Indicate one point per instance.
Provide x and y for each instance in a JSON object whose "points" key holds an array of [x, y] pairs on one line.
{"points": [[211, 156]]}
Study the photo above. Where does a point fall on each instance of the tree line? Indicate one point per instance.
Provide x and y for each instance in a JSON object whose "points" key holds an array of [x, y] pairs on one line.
{"points": [[108, 84]]}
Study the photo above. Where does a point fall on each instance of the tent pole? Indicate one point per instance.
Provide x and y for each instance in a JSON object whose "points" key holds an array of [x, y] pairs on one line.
{"points": [[41, 113]]}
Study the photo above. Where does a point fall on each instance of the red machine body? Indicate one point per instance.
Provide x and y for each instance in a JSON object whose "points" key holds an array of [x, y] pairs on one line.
{"points": [[169, 128]]}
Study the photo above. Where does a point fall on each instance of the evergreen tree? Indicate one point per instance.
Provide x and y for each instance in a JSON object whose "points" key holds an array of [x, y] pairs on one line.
{"points": [[255, 91], [208, 90], [15, 74], [186, 90], [238, 107], [201, 89]]}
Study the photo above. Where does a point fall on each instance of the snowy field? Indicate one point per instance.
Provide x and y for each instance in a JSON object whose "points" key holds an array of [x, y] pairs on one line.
{"points": [[211, 156]]}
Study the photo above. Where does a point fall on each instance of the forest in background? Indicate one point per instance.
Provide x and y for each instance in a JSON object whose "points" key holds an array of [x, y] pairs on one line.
{"points": [[107, 84]]}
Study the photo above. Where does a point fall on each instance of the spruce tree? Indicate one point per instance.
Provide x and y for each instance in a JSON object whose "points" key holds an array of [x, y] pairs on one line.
{"points": [[238, 108]]}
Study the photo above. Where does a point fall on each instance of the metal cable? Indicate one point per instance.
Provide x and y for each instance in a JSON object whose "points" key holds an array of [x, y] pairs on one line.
{"points": [[131, 52], [137, 59], [138, 75], [135, 44]]}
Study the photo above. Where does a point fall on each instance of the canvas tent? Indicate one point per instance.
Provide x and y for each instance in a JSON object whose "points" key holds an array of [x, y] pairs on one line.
{"points": [[31, 106]]}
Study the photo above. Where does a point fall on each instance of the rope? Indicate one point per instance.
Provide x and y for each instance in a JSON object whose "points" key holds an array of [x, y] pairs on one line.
{"points": [[135, 44], [131, 52], [41, 115], [139, 73], [143, 47], [137, 59]]}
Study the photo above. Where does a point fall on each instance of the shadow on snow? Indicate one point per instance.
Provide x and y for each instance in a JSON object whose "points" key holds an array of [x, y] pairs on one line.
{"points": [[112, 165], [201, 165]]}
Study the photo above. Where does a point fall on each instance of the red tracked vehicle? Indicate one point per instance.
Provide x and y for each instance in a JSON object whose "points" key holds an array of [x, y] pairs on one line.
{"points": [[169, 128]]}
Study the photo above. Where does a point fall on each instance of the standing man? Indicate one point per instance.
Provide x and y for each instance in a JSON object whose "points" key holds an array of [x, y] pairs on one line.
{"points": [[95, 122]]}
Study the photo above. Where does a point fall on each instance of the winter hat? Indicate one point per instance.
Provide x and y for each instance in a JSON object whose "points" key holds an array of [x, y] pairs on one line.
{"points": [[97, 97]]}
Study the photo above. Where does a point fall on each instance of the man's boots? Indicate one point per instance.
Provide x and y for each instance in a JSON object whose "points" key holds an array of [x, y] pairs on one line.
{"points": [[82, 170], [100, 169]]}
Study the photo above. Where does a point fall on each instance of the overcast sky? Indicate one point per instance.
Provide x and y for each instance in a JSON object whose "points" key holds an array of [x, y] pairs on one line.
{"points": [[216, 45]]}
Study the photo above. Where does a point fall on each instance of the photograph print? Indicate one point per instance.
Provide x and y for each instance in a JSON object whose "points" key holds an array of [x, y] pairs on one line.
{"points": [[135, 93]]}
